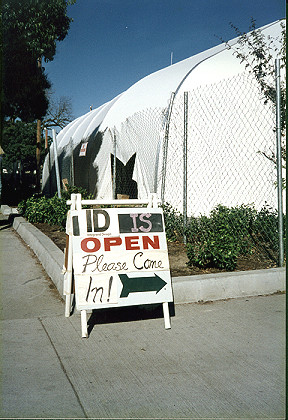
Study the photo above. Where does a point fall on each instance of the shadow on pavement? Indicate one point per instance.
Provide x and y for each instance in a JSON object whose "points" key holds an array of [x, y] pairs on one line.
{"points": [[127, 314], [7, 221]]}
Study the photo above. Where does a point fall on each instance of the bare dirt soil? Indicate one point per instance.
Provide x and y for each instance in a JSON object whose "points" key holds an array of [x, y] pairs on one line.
{"points": [[177, 255]]}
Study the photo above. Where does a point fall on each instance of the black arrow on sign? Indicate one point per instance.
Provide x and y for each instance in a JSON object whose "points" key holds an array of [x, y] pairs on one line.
{"points": [[141, 284]]}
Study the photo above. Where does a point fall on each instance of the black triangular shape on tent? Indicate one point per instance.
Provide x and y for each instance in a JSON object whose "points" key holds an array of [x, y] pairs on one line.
{"points": [[124, 183]]}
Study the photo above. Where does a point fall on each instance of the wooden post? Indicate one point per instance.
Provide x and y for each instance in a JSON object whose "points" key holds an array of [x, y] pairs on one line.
{"points": [[46, 140]]}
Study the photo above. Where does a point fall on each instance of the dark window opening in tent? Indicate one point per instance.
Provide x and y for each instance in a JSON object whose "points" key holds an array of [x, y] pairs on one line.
{"points": [[125, 185]]}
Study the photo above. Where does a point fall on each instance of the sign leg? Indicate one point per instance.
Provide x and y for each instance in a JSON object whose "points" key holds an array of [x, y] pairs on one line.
{"points": [[67, 305], [84, 329], [67, 285], [166, 316]]}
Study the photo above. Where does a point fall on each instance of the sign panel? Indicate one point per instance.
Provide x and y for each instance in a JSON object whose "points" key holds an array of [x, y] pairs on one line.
{"points": [[83, 149], [120, 257]]}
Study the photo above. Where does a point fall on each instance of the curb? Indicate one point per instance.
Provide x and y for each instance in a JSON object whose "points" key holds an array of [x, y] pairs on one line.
{"points": [[50, 256], [7, 211], [210, 287], [188, 289]]}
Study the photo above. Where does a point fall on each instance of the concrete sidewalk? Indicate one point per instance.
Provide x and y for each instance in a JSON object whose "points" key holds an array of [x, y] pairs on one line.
{"points": [[220, 360]]}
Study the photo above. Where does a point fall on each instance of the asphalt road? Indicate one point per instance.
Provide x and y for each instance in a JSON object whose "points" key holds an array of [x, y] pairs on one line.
{"points": [[219, 360]]}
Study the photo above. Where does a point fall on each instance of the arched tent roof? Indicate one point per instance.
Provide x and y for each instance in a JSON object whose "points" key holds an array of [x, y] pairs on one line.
{"points": [[113, 119], [84, 125], [154, 90]]}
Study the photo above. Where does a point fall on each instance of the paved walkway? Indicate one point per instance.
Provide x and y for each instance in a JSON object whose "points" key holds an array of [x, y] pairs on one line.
{"points": [[220, 360]]}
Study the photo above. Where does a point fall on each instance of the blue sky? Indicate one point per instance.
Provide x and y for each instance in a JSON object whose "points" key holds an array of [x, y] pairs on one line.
{"points": [[114, 43]]}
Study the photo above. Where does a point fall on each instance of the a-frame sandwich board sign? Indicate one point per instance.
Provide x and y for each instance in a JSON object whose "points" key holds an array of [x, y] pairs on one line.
{"points": [[117, 256]]}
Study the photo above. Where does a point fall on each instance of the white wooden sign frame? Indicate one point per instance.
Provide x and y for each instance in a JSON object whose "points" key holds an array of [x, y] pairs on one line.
{"points": [[72, 257]]}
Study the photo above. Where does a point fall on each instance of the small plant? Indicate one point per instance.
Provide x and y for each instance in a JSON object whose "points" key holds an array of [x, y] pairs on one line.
{"points": [[66, 194], [173, 223], [218, 240], [53, 211], [266, 230]]}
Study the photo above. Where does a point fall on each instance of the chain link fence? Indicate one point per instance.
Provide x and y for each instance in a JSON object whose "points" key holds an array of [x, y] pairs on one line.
{"points": [[140, 132], [230, 133], [218, 170], [210, 156]]}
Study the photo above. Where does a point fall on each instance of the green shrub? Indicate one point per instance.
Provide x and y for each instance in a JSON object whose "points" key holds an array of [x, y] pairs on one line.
{"points": [[66, 195], [218, 240], [53, 211], [173, 223], [35, 209], [265, 227], [266, 232]]}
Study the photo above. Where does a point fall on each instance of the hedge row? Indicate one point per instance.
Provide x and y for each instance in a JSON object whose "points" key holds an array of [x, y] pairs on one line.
{"points": [[216, 240], [227, 233]]}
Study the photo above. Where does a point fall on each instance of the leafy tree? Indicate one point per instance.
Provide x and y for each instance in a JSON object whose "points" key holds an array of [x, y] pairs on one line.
{"points": [[257, 52], [18, 141], [31, 29], [19, 138], [19, 160], [24, 83]]}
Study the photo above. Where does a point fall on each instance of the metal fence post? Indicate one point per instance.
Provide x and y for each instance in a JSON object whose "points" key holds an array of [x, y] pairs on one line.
{"points": [[185, 164], [165, 145], [114, 165], [72, 162], [56, 163], [157, 165], [50, 168], [279, 162]]}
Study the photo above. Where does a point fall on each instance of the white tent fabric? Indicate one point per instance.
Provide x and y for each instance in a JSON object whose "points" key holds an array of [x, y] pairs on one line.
{"points": [[126, 118]]}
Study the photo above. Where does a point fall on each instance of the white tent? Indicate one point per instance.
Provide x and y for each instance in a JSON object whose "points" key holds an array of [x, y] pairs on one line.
{"points": [[133, 125]]}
